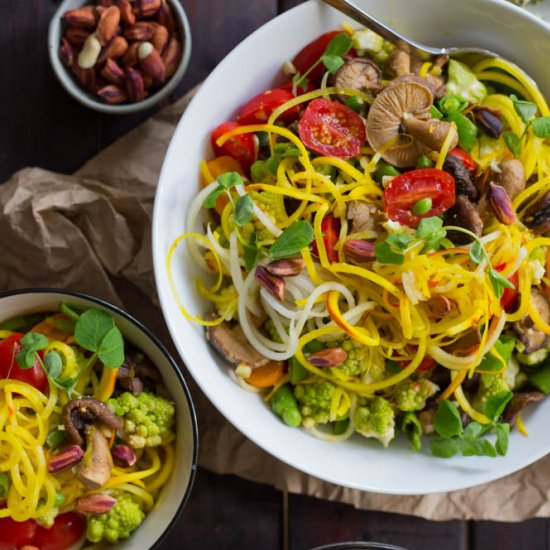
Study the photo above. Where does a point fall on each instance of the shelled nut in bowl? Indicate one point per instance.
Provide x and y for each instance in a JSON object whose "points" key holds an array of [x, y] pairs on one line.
{"points": [[117, 56], [110, 436]]}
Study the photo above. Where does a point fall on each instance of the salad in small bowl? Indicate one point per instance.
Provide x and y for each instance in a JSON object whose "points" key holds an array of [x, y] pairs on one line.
{"points": [[98, 433]]}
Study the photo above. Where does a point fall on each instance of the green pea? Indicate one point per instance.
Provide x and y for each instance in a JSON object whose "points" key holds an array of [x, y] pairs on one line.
{"points": [[384, 169], [452, 104], [423, 206], [467, 130], [258, 171], [354, 103], [424, 161], [59, 499]]}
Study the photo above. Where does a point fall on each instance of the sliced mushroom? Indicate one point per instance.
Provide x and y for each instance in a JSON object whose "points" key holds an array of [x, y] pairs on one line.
{"points": [[431, 133], [517, 404], [532, 338], [362, 216], [79, 413], [512, 177], [231, 343], [471, 338], [358, 74], [395, 106], [399, 62], [464, 178], [95, 469], [464, 214]]}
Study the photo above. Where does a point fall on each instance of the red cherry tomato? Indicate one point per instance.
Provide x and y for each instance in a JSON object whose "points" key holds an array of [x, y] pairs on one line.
{"points": [[466, 159], [243, 148], [67, 529], [14, 534], [331, 233], [311, 53], [405, 190], [330, 128], [35, 376], [260, 107], [510, 295], [426, 364]]}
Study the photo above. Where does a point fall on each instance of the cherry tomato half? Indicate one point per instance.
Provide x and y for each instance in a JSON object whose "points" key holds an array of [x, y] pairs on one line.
{"points": [[243, 148], [331, 233], [35, 376], [14, 534], [311, 53], [466, 159], [330, 128], [405, 190], [510, 295], [259, 108], [67, 529]]}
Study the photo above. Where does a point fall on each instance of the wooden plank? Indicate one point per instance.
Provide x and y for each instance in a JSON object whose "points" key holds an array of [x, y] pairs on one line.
{"points": [[39, 123], [227, 512], [533, 534], [315, 522]]}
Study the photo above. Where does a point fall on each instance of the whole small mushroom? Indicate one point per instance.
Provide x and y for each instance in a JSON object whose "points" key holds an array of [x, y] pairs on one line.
{"points": [[358, 74]]}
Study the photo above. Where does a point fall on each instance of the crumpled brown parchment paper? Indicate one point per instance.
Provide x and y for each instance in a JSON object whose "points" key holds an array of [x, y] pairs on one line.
{"points": [[92, 232]]}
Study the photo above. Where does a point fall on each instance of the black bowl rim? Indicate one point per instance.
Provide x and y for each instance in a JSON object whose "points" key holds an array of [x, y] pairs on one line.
{"points": [[169, 358], [366, 545]]}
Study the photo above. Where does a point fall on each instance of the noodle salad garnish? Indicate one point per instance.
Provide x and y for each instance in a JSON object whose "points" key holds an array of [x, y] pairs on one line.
{"points": [[86, 431], [375, 237]]}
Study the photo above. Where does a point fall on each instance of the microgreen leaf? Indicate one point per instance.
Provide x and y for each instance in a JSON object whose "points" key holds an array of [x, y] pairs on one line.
{"points": [[472, 446], [541, 127], [495, 404], [53, 364], [244, 210], [444, 448], [513, 142], [292, 240], [251, 252], [32, 342], [212, 197], [430, 230], [447, 422], [4, 485], [229, 180], [386, 255], [332, 62], [525, 109], [111, 349], [467, 130], [473, 429], [476, 252], [502, 431], [70, 311], [499, 283], [399, 240], [339, 45]]}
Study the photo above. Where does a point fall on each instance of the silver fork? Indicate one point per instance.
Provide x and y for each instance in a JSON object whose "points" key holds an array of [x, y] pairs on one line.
{"points": [[424, 52]]}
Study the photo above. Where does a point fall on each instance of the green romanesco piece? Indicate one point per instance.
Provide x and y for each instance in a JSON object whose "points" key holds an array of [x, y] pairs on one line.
{"points": [[148, 418], [411, 395], [118, 523], [376, 420], [489, 385], [314, 401], [357, 357], [273, 206]]}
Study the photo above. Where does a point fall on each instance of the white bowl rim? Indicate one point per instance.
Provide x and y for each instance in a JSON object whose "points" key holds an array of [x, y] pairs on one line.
{"points": [[192, 413], [69, 83]]}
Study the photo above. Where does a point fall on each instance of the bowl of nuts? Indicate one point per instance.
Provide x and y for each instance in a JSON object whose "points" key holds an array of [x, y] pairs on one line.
{"points": [[119, 56]]}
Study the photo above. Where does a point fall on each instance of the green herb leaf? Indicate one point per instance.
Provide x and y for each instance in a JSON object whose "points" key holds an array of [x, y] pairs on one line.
{"points": [[525, 109], [292, 240], [272, 163], [32, 342], [447, 422], [386, 255], [504, 346], [212, 197], [467, 130], [339, 45], [513, 142], [244, 210], [430, 230], [229, 180], [495, 404], [53, 364], [4, 485], [332, 62], [476, 252], [471, 446], [21, 323], [91, 329], [111, 349], [251, 252], [399, 240], [502, 431], [473, 429], [499, 283], [541, 127], [444, 448]]}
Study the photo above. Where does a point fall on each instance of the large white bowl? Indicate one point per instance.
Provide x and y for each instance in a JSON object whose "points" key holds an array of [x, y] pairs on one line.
{"points": [[175, 493], [252, 67]]}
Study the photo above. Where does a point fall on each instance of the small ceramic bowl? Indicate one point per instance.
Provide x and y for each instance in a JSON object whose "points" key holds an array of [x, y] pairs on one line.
{"points": [[176, 491], [72, 86]]}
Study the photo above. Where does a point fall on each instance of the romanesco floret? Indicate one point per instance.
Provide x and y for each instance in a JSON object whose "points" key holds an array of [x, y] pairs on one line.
{"points": [[118, 523], [356, 360], [314, 401], [148, 418], [273, 206], [489, 385], [411, 395], [47, 520], [376, 419]]}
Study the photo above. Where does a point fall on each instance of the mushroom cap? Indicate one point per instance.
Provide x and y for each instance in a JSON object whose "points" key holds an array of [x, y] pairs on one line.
{"points": [[391, 106], [358, 74]]}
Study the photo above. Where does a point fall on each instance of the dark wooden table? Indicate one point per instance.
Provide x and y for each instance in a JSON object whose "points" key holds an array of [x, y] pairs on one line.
{"points": [[41, 125]]}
